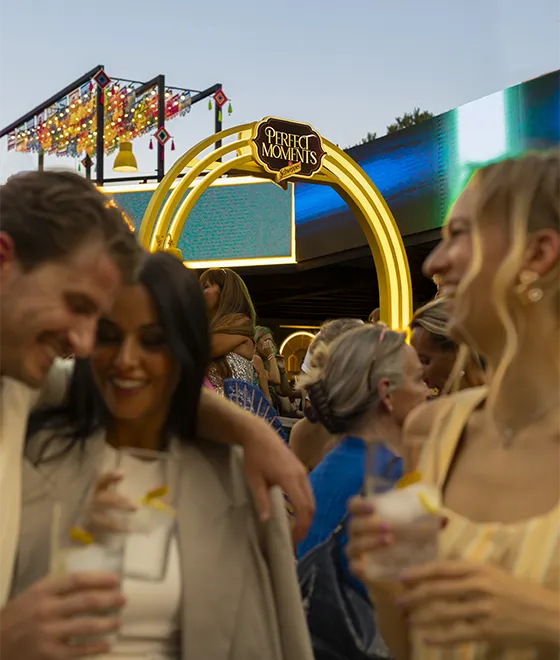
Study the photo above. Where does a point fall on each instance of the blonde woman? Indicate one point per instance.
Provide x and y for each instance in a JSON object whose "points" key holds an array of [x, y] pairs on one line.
{"points": [[437, 351], [493, 452]]}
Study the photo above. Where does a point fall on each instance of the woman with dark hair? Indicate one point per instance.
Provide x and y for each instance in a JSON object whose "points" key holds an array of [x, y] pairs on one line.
{"points": [[232, 327], [226, 571]]}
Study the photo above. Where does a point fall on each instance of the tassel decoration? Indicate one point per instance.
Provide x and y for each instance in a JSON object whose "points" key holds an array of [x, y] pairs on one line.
{"points": [[91, 85], [151, 144], [172, 145], [219, 115], [230, 109], [209, 104]]}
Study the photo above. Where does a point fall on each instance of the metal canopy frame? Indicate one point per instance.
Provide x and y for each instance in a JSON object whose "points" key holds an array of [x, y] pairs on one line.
{"points": [[157, 82]]}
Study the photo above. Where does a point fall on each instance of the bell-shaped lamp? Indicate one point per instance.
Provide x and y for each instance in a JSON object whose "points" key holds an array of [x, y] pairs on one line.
{"points": [[125, 160]]}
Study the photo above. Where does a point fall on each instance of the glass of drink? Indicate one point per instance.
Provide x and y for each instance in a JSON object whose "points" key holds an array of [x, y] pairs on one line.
{"points": [[411, 509], [77, 546], [150, 482]]}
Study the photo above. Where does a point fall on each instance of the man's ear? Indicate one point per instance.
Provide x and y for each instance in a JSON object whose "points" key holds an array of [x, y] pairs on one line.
{"points": [[7, 249], [8, 259]]}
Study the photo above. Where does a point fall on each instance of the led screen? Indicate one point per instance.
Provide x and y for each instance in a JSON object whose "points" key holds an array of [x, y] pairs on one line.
{"points": [[419, 170], [228, 222]]}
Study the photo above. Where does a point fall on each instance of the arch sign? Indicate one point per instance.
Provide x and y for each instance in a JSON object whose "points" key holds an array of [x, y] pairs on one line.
{"points": [[285, 151]]}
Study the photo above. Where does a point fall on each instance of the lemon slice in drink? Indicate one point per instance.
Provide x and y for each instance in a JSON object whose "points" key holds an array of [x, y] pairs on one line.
{"points": [[408, 479], [81, 536], [153, 512], [157, 493], [429, 501]]}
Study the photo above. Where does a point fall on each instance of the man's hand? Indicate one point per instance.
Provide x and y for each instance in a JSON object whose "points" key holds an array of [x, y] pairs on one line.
{"points": [[269, 462], [47, 621]]}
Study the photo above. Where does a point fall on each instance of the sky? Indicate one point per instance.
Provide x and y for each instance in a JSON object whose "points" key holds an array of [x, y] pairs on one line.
{"points": [[347, 68]]}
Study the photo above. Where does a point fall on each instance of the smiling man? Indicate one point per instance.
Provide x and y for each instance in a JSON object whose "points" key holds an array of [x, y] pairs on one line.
{"points": [[64, 254]]}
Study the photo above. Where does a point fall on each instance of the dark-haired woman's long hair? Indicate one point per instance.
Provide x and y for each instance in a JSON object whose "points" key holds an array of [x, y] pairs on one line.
{"points": [[176, 294]]}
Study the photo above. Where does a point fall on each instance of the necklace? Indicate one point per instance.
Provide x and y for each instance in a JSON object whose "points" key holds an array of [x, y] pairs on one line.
{"points": [[509, 433]]}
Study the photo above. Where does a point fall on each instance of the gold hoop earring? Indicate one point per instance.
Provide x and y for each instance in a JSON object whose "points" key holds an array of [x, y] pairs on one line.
{"points": [[524, 290]]}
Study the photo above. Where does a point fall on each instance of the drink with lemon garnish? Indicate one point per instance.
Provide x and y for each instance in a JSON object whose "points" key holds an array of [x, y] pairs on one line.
{"points": [[92, 557], [150, 483], [411, 509], [75, 548], [147, 542]]}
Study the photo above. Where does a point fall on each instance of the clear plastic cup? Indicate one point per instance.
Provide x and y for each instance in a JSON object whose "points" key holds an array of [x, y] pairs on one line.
{"points": [[76, 547], [149, 481], [413, 526]]}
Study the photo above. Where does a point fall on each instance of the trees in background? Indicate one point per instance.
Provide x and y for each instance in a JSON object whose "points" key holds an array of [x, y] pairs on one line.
{"points": [[409, 119]]}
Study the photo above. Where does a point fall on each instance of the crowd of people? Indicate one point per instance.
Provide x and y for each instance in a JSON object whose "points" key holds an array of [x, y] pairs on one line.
{"points": [[105, 348]]}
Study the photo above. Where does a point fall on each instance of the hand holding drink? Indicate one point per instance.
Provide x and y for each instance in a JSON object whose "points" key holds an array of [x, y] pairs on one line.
{"points": [[396, 526], [80, 546], [48, 620]]}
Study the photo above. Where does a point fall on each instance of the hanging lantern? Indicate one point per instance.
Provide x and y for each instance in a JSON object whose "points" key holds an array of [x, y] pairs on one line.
{"points": [[125, 160]]}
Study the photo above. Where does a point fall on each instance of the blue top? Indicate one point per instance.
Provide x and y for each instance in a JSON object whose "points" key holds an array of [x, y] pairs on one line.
{"points": [[339, 477]]}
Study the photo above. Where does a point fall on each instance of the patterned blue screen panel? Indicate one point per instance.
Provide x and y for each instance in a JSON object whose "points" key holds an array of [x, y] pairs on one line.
{"points": [[420, 170], [238, 221]]}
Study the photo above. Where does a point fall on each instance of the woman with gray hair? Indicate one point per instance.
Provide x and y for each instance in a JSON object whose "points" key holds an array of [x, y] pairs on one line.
{"points": [[361, 388], [309, 440]]}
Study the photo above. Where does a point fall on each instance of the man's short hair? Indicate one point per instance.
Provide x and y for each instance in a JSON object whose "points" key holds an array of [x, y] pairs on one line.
{"points": [[50, 214]]}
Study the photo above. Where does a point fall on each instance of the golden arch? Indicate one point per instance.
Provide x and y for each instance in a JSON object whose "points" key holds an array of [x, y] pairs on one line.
{"points": [[167, 217]]}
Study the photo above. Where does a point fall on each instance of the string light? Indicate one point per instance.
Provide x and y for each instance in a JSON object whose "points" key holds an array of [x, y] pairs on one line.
{"points": [[66, 129]]}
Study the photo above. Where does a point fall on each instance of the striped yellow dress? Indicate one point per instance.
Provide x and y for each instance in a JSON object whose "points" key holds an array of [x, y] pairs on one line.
{"points": [[529, 549]]}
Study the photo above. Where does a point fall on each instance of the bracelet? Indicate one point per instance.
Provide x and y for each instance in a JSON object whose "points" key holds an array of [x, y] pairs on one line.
{"points": [[271, 357]]}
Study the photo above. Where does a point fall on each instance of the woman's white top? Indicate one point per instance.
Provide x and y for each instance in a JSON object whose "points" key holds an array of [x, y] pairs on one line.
{"points": [[150, 627]]}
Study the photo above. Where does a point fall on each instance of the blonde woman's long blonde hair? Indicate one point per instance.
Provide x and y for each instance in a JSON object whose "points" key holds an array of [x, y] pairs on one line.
{"points": [[524, 194]]}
